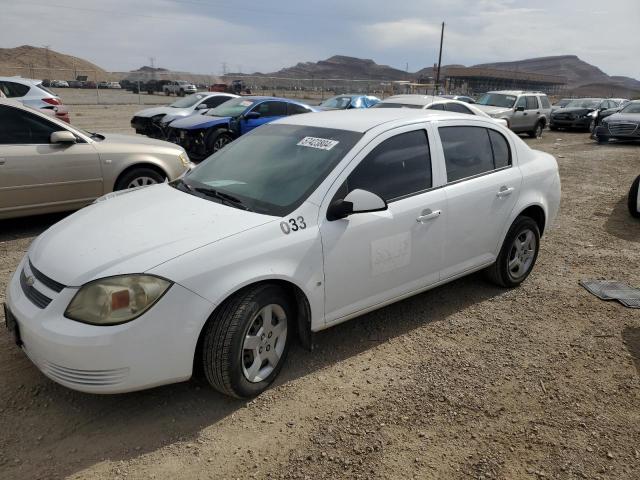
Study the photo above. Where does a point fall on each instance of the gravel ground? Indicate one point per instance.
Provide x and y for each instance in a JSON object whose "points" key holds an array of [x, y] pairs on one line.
{"points": [[464, 381]]}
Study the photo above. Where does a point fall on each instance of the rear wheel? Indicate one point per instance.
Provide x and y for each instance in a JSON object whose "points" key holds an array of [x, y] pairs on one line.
{"points": [[553, 128], [634, 200], [602, 139], [518, 254], [246, 341], [537, 131], [139, 177]]}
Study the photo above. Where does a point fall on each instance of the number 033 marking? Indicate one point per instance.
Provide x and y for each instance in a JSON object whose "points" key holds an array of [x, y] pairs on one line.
{"points": [[293, 225]]}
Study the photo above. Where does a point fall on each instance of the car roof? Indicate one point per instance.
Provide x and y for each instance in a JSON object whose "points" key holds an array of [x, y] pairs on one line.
{"points": [[362, 120], [517, 92], [280, 99], [413, 99], [29, 81]]}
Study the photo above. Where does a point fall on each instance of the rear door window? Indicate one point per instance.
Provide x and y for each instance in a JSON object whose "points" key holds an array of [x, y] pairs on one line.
{"points": [[456, 107], [437, 106], [14, 90], [213, 102], [471, 151], [295, 109]]}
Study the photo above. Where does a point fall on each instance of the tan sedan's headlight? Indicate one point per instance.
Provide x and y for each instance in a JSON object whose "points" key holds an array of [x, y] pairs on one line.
{"points": [[184, 160], [114, 300]]}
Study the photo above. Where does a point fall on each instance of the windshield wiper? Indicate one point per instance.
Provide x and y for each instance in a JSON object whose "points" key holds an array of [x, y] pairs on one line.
{"points": [[224, 197]]}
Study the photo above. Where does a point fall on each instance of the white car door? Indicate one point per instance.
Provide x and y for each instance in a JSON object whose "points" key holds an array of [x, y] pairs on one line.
{"points": [[35, 174], [372, 258], [483, 185]]}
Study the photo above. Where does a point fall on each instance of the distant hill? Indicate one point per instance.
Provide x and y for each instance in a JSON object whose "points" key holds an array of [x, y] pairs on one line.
{"points": [[28, 61], [576, 71], [340, 66]]}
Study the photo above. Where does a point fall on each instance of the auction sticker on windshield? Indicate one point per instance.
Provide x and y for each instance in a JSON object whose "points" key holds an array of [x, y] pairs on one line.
{"points": [[319, 143], [246, 103]]}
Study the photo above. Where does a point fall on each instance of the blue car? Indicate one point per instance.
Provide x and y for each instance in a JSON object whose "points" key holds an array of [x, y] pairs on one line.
{"points": [[202, 135], [346, 102]]}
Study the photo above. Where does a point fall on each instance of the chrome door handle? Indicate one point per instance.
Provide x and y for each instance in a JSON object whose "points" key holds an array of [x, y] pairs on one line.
{"points": [[428, 215], [505, 192]]}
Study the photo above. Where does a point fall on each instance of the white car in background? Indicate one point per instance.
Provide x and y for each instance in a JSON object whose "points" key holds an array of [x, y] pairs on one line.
{"points": [[151, 121], [29, 92], [299, 225], [433, 102]]}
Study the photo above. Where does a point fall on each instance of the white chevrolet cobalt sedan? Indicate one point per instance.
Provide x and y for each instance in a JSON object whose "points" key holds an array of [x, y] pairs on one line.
{"points": [[297, 226]]}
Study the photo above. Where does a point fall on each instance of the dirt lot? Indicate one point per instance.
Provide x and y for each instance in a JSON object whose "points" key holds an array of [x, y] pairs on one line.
{"points": [[465, 381]]}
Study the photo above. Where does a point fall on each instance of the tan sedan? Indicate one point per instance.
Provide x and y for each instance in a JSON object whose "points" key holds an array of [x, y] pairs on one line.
{"points": [[46, 165]]}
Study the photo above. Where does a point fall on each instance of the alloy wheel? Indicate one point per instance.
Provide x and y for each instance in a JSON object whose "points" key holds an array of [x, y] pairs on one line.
{"points": [[141, 182], [522, 253], [264, 343]]}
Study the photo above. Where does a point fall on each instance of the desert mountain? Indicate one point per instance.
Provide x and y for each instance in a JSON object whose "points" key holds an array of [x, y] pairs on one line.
{"points": [[340, 66], [28, 61]]}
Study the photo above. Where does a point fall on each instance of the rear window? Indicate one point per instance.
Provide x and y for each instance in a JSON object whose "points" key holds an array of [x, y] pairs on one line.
{"points": [[42, 87], [13, 89]]}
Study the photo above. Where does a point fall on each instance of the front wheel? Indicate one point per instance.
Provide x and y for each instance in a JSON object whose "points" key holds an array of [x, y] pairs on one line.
{"points": [[518, 254], [246, 341], [634, 198], [138, 177], [602, 139], [217, 140]]}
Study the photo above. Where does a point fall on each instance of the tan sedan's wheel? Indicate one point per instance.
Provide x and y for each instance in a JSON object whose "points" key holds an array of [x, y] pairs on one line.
{"points": [[246, 341], [138, 177]]}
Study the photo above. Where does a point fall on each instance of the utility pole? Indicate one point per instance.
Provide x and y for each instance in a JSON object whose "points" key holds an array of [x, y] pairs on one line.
{"points": [[224, 68], [48, 60], [439, 60]]}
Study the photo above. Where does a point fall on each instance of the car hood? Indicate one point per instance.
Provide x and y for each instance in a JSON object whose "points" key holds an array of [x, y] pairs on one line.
{"points": [[152, 112], [169, 117], [115, 140], [133, 231], [624, 117], [576, 110], [493, 111], [199, 121]]}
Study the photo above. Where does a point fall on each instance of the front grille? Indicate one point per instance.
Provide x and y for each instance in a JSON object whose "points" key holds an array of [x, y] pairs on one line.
{"points": [[38, 299], [49, 282], [622, 128], [85, 377]]}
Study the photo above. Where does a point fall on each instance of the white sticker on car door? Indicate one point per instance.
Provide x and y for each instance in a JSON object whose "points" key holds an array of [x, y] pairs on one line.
{"points": [[390, 253]]}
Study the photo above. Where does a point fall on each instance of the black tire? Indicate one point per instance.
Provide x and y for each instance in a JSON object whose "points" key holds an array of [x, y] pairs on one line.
{"points": [[222, 346], [138, 176], [167, 93], [633, 198], [217, 140], [500, 273], [537, 131], [592, 126], [553, 128], [181, 93], [602, 139]]}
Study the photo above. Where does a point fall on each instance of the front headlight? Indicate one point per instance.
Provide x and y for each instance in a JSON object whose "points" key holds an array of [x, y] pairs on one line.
{"points": [[184, 160], [114, 300]]}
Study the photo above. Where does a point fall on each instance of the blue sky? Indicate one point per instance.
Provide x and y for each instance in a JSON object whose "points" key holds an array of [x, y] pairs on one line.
{"points": [[199, 35]]}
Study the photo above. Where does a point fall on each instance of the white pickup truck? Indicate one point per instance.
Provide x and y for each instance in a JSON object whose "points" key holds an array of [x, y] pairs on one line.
{"points": [[180, 87]]}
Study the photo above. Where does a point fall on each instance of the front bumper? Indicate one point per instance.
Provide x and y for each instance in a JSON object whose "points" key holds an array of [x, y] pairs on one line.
{"points": [[624, 130], [154, 349], [147, 126], [580, 122]]}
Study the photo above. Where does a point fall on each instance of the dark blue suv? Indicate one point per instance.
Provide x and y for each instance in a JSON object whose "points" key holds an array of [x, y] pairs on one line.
{"points": [[202, 135]]}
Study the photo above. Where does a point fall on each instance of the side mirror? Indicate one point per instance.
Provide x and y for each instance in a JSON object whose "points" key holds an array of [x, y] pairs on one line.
{"points": [[520, 109], [357, 201], [251, 115], [63, 136], [202, 106]]}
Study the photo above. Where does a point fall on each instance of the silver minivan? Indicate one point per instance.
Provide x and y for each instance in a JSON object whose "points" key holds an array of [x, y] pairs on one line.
{"points": [[524, 112]]}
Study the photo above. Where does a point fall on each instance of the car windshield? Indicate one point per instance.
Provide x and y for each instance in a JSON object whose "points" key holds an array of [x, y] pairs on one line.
{"points": [[272, 169], [562, 103], [188, 101], [232, 108], [337, 102], [497, 100], [396, 105], [631, 108], [583, 103]]}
